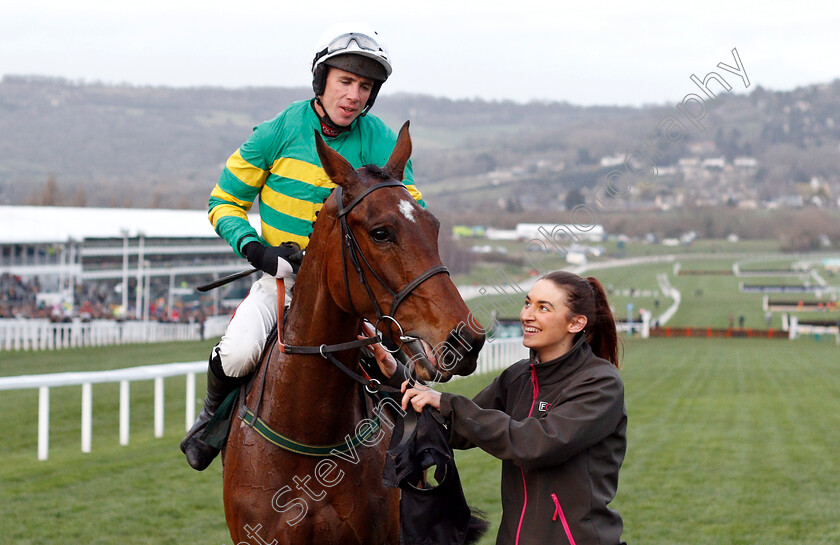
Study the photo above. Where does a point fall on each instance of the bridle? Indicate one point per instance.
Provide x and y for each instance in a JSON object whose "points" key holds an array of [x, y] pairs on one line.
{"points": [[350, 248]]}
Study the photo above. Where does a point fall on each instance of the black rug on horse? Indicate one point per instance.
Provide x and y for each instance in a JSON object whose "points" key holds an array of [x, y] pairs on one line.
{"points": [[430, 515]]}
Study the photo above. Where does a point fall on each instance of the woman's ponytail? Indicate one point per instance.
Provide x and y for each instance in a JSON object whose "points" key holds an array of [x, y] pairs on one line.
{"points": [[602, 335]]}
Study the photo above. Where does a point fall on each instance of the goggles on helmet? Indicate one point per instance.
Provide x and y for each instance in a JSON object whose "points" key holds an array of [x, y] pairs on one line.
{"points": [[363, 42]]}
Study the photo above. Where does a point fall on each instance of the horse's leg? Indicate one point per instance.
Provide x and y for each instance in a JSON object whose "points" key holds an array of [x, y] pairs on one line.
{"points": [[253, 474], [393, 520]]}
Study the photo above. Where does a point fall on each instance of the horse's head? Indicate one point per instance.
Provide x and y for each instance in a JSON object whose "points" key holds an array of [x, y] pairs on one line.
{"points": [[382, 263]]}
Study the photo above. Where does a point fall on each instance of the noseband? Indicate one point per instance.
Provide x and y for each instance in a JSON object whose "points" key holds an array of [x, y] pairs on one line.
{"points": [[351, 247]]}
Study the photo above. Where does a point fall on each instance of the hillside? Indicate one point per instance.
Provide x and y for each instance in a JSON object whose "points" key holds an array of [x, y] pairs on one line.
{"points": [[109, 145]]}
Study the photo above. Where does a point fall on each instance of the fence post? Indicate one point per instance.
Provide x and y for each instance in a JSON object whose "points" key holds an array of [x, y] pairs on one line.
{"points": [[124, 412], [159, 407], [190, 413], [24, 337], [86, 416], [43, 422]]}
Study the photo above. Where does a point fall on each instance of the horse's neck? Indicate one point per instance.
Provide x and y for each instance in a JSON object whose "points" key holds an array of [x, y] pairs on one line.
{"points": [[315, 318], [306, 384]]}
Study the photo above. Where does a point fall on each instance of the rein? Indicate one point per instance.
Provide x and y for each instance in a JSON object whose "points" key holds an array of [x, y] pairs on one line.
{"points": [[326, 351]]}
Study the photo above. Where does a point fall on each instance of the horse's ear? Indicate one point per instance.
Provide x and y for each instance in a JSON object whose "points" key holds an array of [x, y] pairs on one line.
{"points": [[399, 157], [337, 167]]}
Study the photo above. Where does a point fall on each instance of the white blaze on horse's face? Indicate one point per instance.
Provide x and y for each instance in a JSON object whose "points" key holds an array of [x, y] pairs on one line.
{"points": [[407, 209]]}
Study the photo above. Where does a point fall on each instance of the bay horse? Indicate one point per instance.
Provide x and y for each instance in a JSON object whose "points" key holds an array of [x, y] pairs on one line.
{"points": [[372, 247]]}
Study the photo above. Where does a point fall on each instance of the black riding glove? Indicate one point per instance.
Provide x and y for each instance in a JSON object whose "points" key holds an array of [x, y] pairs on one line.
{"points": [[279, 261]]}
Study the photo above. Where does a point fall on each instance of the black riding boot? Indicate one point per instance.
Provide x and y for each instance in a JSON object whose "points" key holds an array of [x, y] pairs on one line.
{"points": [[200, 454]]}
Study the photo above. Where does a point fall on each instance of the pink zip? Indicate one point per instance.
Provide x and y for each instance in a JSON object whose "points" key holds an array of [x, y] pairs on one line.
{"points": [[559, 511], [524, 486], [536, 389]]}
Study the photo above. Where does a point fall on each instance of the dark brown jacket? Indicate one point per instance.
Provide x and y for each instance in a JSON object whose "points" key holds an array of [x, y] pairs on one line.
{"points": [[559, 428]]}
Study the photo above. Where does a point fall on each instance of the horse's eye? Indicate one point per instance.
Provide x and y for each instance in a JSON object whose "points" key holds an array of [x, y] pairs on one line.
{"points": [[380, 234]]}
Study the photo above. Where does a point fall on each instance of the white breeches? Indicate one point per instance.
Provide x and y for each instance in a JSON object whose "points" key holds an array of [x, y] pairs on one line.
{"points": [[246, 334]]}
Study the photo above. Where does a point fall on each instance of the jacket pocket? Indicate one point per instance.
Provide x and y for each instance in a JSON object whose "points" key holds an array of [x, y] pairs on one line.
{"points": [[558, 514]]}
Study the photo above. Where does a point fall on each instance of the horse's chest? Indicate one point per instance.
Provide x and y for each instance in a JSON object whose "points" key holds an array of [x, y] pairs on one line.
{"points": [[338, 499]]}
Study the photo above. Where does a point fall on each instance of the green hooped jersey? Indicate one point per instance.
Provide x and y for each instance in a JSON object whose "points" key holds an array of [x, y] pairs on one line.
{"points": [[279, 163]]}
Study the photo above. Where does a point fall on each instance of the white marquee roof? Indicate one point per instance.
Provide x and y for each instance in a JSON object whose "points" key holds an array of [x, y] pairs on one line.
{"points": [[46, 224]]}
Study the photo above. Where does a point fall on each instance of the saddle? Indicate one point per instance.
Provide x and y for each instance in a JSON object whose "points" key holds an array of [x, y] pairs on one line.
{"points": [[217, 430]]}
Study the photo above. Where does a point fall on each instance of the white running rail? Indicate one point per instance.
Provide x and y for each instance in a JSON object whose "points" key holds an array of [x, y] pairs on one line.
{"points": [[496, 354], [86, 379]]}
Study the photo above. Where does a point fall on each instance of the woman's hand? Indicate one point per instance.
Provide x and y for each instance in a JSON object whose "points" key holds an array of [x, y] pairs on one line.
{"points": [[419, 397], [387, 363]]}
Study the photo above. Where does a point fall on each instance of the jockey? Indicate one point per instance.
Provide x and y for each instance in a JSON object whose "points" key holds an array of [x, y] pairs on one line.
{"points": [[279, 163]]}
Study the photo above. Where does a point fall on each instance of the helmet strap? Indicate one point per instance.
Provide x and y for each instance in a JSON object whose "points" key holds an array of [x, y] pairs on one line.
{"points": [[328, 126]]}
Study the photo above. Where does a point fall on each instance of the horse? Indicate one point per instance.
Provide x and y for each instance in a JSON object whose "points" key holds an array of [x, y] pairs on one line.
{"points": [[372, 247]]}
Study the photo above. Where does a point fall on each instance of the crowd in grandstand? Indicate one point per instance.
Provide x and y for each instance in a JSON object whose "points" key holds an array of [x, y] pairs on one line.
{"points": [[19, 298]]}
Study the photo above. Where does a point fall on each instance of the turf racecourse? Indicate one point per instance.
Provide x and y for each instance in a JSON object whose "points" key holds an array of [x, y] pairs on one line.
{"points": [[731, 441]]}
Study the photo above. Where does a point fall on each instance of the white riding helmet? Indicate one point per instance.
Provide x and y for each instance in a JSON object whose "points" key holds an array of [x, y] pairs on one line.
{"points": [[355, 48]]}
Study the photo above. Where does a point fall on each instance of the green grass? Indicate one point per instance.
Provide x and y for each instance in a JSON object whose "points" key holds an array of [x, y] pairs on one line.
{"points": [[788, 280], [735, 441], [730, 441], [101, 357], [707, 300], [707, 264], [638, 279], [703, 246], [139, 493]]}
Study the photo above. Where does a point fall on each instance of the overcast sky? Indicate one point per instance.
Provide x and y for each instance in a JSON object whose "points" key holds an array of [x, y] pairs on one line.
{"points": [[625, 53]]}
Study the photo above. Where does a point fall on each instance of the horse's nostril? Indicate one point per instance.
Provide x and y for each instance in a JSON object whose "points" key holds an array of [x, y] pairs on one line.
{"points": [[466, 342], [477, 345], [476, 341]]}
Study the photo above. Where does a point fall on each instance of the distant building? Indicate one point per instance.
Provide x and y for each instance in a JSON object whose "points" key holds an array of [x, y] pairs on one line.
{"points": [[573, 232], [545, 231], [576, 258], [703, 147], [63, 249], [501, 234], [714, 163], [468, 231], [612, 160], [689, 162], [745, 162]]}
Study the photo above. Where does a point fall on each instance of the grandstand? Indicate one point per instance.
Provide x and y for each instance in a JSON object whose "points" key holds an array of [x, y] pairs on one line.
{"points": [[111, 263]]}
